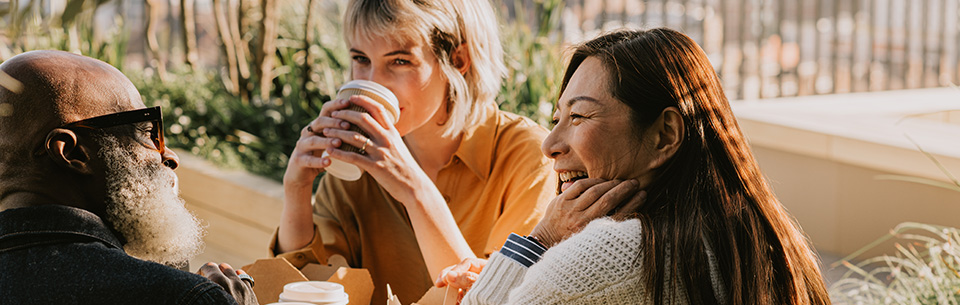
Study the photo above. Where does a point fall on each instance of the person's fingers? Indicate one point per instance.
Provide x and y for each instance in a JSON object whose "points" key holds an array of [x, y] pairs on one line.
{"points": [[457, 279], [311, 161], [441, 280], [594, 193], [376, 110], [212, 272], [352, 138], [229, 272], [364, 121], [333, 105], [208, 268], [237, 287], [311, 143], [458, 275], [322, 122], [306, 153], [448, 278], [579, 186], [361, 161], [463, 280], [613, 198]]}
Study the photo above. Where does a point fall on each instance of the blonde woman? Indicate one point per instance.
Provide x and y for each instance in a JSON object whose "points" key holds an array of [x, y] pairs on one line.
{"points": [[450, 181]]}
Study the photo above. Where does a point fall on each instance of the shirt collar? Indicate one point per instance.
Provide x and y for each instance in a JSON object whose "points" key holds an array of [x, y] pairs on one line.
{"points": [[55, 219], [476, 149]]}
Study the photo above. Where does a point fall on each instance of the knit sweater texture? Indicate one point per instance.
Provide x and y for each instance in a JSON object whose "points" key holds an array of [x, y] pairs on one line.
{"points": [[600, 265]]}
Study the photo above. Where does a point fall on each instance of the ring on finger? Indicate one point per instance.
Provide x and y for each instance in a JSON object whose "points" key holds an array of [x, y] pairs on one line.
{"points": [[246, 278], [365, 143]]}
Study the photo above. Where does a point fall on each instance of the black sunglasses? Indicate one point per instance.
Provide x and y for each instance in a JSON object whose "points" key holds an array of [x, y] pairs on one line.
{"points": [[152, 115]]}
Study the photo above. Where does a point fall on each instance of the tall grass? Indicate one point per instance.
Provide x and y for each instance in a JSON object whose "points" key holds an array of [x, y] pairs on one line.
{"points": [[924, 270]]}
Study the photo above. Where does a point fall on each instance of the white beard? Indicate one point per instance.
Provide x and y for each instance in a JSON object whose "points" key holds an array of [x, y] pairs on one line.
{"points": [[144, 206]]}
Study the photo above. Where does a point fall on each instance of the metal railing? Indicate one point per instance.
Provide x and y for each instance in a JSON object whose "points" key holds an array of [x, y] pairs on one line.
{"points": [[764, 48]]}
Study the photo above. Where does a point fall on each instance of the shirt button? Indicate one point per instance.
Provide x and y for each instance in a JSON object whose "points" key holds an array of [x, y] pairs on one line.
{"points": [[300, 256], [446, 198]]}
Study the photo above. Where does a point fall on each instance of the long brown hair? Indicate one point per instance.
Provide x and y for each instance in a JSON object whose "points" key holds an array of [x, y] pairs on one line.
{"points": [[711, 193]]}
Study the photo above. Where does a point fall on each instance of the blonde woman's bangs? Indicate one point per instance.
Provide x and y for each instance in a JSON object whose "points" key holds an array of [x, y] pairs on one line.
{"points": [[444, 26], [390, 20]]}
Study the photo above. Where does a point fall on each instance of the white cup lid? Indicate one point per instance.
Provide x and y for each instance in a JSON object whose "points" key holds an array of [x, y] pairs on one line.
{"points": [[313, 291], [343, 170]]}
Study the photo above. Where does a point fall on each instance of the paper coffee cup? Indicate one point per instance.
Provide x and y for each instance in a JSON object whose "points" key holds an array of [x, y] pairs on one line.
{"points": [[376, 92], [314, 292]]}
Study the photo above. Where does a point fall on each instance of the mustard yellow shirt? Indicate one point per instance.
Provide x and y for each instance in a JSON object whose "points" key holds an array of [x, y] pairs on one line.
{"points": [[497, 182]]}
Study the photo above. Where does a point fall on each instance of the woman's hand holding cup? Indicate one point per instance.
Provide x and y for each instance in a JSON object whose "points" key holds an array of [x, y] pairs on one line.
{"points": [[305, 162], [385, 156], [586, 200], [310, 157]]}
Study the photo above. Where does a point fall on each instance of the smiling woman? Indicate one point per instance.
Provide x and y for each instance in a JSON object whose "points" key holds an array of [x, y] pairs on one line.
{"points": [[449, 181], [644, 134], [587, 141]]}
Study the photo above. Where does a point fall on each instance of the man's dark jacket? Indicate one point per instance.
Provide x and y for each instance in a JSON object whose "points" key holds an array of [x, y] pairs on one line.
{"points": [[55, 254]]}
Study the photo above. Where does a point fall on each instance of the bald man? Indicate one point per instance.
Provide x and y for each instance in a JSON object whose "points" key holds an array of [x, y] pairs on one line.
{"points": [[89, 209]]}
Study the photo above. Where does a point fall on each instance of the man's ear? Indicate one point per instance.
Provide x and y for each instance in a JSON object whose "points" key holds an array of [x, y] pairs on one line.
{"points": [[668, 134], [461, 58], [63, 147]]}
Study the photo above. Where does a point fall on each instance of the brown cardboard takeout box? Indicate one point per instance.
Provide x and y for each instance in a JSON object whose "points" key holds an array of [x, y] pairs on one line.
{"points": [[272, 273]]}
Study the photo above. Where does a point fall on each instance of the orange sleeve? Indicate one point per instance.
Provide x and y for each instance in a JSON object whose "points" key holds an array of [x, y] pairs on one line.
{"points": [[310, 253]]}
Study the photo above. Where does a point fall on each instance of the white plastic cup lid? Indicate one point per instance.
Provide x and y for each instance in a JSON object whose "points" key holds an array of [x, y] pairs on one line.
{"points": [[314, 292], [375, 90]]}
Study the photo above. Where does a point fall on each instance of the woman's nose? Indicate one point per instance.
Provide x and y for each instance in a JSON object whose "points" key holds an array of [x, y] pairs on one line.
{"points": [[554, 145]]}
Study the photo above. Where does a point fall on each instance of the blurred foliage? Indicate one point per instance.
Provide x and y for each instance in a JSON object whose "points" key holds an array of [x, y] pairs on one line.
{"points": [[258, 136], [248, 132], [534, 62]]}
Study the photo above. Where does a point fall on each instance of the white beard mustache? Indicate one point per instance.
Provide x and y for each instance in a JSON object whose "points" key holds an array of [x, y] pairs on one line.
{"points": [[144, 206]]}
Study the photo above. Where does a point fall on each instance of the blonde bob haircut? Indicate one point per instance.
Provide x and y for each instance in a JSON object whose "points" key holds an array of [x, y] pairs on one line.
{"points": [[443, 26]]}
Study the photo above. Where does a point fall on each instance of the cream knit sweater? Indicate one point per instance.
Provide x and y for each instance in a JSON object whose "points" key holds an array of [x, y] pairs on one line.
{"points": [[600, 265]]}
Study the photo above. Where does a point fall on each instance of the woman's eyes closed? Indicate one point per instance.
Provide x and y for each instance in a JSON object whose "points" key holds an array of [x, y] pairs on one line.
{"points": [[576, 118]]}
